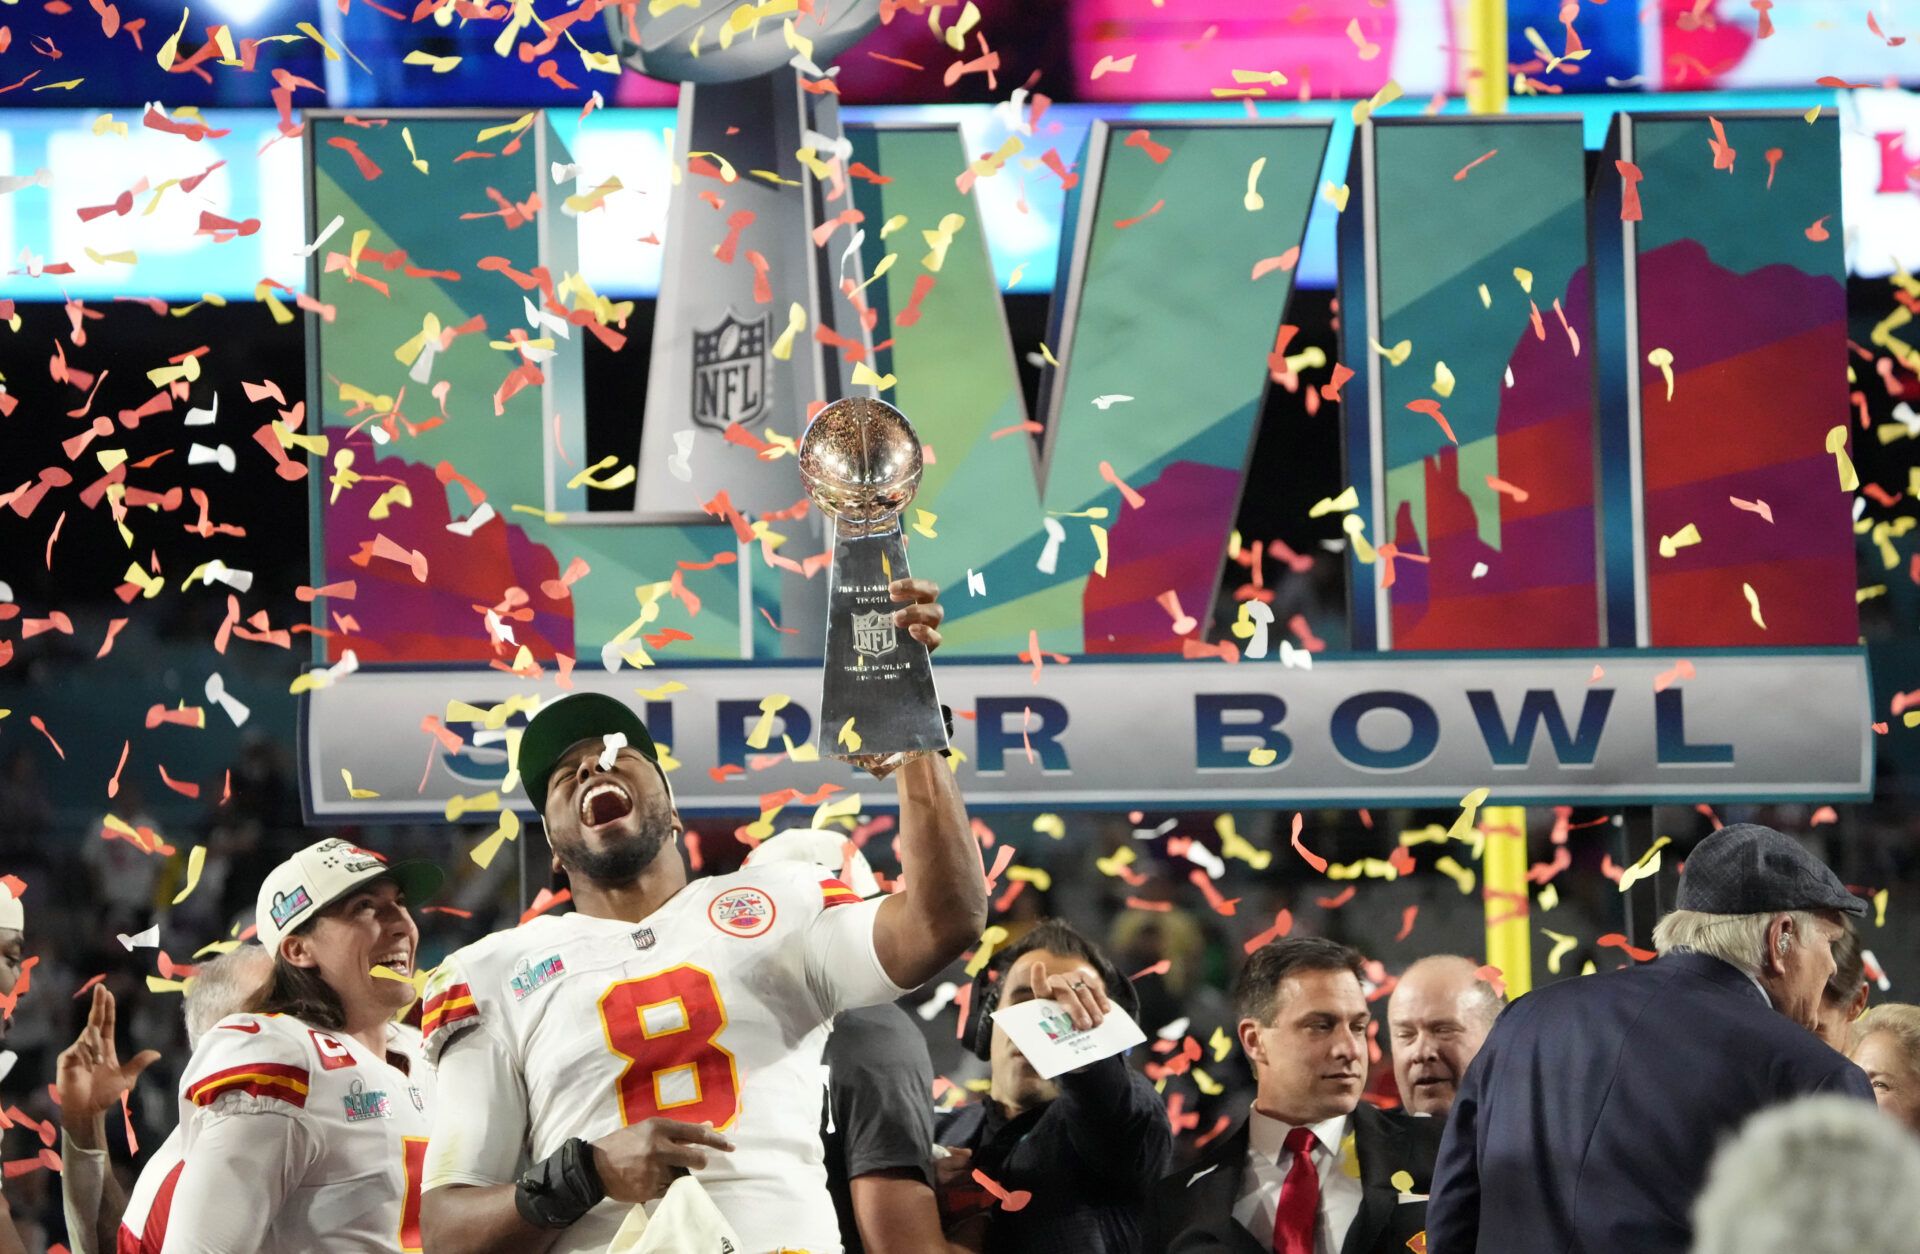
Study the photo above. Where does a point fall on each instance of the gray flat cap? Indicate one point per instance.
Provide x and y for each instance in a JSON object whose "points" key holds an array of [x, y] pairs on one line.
{"points": [[1750, 869]]}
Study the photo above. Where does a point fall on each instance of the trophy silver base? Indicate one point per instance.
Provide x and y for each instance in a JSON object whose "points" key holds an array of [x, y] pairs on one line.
{"points": [[878, 708]]}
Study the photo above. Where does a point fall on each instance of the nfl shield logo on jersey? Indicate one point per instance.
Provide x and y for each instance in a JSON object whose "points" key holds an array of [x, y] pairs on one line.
{"points": [[873, 634], [730, 372], [643, 939], [744, 912]]}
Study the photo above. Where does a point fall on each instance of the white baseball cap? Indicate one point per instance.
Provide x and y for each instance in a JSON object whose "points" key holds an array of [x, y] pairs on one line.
{"points": [[12, 914], [822, 848], [322, 874]]}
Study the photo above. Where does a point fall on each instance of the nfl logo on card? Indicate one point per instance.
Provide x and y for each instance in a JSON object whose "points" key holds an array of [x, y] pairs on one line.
{"points": [[744, 912]]}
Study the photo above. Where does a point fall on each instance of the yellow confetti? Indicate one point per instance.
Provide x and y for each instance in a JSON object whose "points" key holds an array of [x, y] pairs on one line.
{"points": [[509, 829], [1442, 379], [594, 477], [520, 123], [196, 862], [172, 46], [1460, 875], [1335, 196], [1099, 543], [1253, 200], [1364, 109], [1122, 857], [1837, 445], [1561, 944], [358, 794], [1463, 828], [1549, 898], [763, 728], [306, 28], [105, 123], [1686, 537], [923, 523], [1262, 756], [1647, 864], [1486, 297], [1812, 115], [1234, 845], [189, 370], [1345, 502], [863, 376], [1753, 604], [848, 737], [664, 690], [796, 323], [480, 803], [1221, 1044], [940, 240], [991, 939], [157, 985], [1880, 908], [1031, 875], [1207, 1084], [439, 65], [1395, 355], [1401, 1181], [1356, 529], [1663, 359], [1525, 278], [406, 134]]}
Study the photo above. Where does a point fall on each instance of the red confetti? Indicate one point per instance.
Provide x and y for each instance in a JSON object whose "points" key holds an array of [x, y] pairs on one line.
{"points": [[1461, 174], [1313, 859], [1614, 940], [546, 900], [1406, 922], [1016, 1200], [42, 729], [1282, 924], [1124, 223]]}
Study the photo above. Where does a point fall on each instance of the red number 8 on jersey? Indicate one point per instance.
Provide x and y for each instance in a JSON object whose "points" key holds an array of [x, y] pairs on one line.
{"points": [[667, 1026]]}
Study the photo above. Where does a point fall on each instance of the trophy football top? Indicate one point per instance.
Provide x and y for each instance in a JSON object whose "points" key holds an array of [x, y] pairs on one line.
{"points": [[703, 41], [860, 461]]}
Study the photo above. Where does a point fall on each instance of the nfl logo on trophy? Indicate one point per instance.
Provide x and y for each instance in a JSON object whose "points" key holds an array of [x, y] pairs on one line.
{"points": [[873, 634]]}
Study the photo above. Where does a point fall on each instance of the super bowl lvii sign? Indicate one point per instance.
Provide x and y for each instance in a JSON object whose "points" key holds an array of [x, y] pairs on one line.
{"points": [[1550, 394]]}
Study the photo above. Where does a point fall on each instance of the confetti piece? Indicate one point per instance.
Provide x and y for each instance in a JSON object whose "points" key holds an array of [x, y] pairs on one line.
{"points": [[1124, 223], [850, 739], [1253, 201], [196, 862], [1629, 190], [1132, 498], [1614, 940], [1106, 65], [1818, 231], [1461, 876], [1313, 859], [1018, 1198], [1368, 51], [509, 829], [1395, 355], [1347, 501], [1662, 359], [1561, 944], [1645, 865], [1282, 925], [1753, 604], [1683, 669], [1686, 537], [1461, 174], [1431, 408], [1837, 445]]}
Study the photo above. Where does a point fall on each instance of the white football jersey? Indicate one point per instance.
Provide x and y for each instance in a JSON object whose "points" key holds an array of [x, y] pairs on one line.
{"points": [[715, 1008], [298, 1139], [143, 1224]]}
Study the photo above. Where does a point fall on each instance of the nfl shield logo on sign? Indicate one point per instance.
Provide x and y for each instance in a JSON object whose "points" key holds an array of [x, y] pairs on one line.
{"points": [[730, 372], [873, 634]]}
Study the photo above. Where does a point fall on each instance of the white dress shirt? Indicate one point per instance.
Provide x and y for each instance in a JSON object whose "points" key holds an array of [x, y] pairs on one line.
{"points": [[1269, 1161]]}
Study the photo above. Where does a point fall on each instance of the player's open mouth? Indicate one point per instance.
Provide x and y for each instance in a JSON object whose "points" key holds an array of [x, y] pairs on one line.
{"points": [[400, 962], [605, 802]]}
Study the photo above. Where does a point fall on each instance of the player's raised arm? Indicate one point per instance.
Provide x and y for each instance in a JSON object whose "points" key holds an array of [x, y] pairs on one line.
{"points": [[943, 908]]}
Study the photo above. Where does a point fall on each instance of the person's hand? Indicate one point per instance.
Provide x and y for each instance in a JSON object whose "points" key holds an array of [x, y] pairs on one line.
{"points": [[1078, 992], [637, 1163], [922, 617], [955, 1167], [88, 1075]]}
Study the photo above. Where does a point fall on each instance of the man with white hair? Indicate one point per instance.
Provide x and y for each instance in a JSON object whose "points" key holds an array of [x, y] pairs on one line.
{"points": [[878, 1132], [1439, 1016], [91, 1079], [1822, 1175], [1588, 1117]]}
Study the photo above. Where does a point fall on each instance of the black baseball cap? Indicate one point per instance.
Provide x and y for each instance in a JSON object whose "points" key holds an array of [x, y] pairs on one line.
{"points": [[563, 724], [1750, 869]]}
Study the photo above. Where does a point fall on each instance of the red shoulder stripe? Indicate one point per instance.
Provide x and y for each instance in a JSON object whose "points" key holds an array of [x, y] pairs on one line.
{"points": [[266, 1079]]}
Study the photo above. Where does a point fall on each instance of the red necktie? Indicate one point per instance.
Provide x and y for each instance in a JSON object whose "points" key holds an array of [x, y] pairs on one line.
{"points": [[1294, 1220]]}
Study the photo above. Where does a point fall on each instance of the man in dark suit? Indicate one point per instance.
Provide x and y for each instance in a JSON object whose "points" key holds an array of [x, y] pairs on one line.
{"points": [[1588, 1119], [1311, 1170]]}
